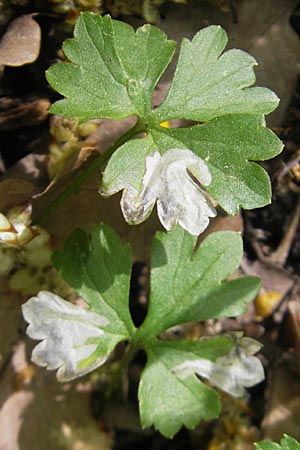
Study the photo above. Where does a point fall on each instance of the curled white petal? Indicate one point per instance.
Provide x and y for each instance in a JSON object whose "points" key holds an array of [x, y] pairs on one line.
{"points": [[67, 332], [231, 373], [171, 180]]}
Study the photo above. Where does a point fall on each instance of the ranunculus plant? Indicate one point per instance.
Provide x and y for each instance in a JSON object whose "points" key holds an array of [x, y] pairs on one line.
{"points": [[112, 72]]}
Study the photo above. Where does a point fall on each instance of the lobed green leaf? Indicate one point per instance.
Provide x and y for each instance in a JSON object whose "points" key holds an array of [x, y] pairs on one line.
{"points": [[112, 70], [229, 145], [98, 268], [169, 402], [186, 287], [208, 84]]}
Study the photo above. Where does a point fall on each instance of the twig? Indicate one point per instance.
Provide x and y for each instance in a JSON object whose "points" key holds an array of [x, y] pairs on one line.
{"points": [[280, 255]]}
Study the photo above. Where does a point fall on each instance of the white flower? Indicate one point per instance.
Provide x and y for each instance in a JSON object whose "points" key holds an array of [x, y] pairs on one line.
{"points": [[70, 335], [173, 181], [231, 373]]}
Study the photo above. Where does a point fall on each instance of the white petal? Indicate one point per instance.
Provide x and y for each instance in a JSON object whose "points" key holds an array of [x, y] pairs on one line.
{"points": [[136, 207], [180, 199], [184, 203], [230, 373], [153, 163], [174, 180], [65, 330]]}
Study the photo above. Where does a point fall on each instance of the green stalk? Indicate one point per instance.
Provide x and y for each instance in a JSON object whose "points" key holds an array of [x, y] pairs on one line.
{"points": [[84, 176]]}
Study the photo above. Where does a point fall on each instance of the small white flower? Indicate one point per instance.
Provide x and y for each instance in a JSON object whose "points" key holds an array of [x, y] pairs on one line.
{"points": [[171, 180], [69, 335], [231, 373]]}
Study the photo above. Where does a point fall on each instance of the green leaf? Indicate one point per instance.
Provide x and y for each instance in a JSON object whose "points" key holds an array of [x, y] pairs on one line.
{"points": [[228, 145], [207, 84], [267, 446], [112, 71], [187, 287], [127, 167], [287, 443], [184, 287], [167, 401], [99, 268]]}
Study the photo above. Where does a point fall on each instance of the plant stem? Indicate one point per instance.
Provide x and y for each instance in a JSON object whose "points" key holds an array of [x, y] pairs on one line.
{"points": [[113, 385], [84, 176]]}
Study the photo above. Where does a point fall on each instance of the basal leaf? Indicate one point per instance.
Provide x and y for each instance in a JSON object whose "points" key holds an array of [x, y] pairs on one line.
{"points": [[168, 401], [98, 267], [186, 287], [208, 84], [112, 70]]}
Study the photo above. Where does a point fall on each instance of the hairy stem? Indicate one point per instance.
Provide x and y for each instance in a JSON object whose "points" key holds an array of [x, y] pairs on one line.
{"points": [[84, 176]]}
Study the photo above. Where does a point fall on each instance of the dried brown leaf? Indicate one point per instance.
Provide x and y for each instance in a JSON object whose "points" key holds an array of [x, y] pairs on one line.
{"points": [[14, 191], [264, 30], [18, 112], [21, 43], [283, 403]]}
